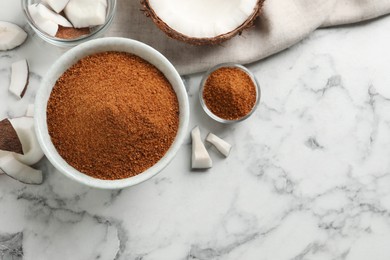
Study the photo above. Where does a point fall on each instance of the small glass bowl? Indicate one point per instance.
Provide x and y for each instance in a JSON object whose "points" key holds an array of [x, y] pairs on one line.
{"points": [[202, 85], [95, 31]]}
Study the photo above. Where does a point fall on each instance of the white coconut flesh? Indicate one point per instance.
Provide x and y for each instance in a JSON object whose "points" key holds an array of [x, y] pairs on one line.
{"points": [[19, 171], [200, 157], [46, 25], [204, 18], [56, 5], [11, 36], [12, 163], [86, 13], [19, 78], [24, 127]]}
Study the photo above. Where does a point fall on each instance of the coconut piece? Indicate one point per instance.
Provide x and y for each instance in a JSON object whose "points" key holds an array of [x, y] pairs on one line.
{"points": [[46, 25], [46, 13], [19, 171], [19, 78], [221, 145], [200, 157], [9, 139], [86, 13], [202, 22], [56, 5], [11, 36], [24, 127], [30, 110]]}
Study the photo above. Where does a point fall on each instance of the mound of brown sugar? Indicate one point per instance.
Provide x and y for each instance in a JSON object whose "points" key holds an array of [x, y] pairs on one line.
{"points": [[71, 33], [229, 93], [112, 115]]}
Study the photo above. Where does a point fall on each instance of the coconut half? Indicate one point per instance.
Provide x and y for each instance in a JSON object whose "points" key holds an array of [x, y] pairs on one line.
{"points": [[202, 22]]}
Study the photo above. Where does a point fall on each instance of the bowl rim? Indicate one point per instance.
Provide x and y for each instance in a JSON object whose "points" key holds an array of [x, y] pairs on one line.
{"points": [[228, 65], [95, 46], [111, 8]]}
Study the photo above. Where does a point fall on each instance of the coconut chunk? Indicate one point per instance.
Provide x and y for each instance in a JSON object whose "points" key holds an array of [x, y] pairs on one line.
{"points": [[9, 139], [56, 5], [200, 157], [202, 21], [221, 145], [19, 78], [46, 25], [19, 171], [17, 136], [48, 14], [24, 127], [11, 36], [86, 13]]}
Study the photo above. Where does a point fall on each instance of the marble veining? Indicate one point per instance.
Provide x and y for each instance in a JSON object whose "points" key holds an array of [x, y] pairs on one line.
{"points": [[11, 246], [308, 176]]}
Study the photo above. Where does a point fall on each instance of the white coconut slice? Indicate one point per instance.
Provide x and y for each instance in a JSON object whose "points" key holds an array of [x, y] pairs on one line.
{"points": [[200, 157], [221, 145], [202, 21], [3, 153], [46, 13], [19, 78], [56, 5], [9, 139], [11, 36], [46, 25], [19, 171], [24, 127], [30, 110], [86, 13]]}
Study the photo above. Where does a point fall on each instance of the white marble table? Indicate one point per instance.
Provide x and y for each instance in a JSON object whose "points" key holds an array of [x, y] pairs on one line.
{"points": [[308, 176]]}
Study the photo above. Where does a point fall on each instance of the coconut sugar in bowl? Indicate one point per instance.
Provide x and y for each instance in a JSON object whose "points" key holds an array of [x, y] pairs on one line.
{"points": [[229, 93], [126, 111]]}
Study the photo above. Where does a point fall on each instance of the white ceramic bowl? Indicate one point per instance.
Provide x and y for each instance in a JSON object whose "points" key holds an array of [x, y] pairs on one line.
{"points": [[71, 57]]}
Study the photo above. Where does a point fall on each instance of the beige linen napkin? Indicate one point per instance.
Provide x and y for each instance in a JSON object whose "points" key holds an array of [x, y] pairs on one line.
{"points": [[281, 24]]}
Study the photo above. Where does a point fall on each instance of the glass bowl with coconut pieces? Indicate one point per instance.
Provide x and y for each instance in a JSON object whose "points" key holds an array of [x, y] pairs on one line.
{"points": [[229, 93], [67, 23]]}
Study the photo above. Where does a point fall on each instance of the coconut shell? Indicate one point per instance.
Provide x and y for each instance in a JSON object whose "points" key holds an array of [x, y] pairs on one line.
{"points": [[9, 140], [149, 12]]}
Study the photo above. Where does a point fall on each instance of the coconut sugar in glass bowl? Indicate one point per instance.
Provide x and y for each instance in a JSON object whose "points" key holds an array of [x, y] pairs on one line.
{"points": [[95, 31], [76, 54], [223, 98]]}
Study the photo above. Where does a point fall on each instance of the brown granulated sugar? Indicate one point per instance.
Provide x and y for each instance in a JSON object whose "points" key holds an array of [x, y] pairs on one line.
{"points": [[229, 93], [71, 33], [112, 115]]}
